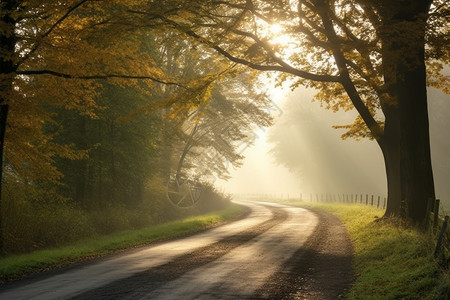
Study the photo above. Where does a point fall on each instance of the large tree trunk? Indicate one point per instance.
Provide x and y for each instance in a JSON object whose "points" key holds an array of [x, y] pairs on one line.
{"points": [[390, 147], [7, 71], [406, 142], [3, 119], [415, 142]]}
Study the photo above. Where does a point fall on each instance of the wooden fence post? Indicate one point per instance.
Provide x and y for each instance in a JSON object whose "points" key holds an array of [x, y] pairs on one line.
{"points": [[436, 213], [441, 237]]}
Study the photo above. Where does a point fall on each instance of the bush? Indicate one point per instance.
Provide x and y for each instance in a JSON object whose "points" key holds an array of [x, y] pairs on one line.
{"points": [[31, 224], [35, 219]]}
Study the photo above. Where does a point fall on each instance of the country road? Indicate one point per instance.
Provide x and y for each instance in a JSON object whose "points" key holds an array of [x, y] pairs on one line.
{"points": [[276, 252]]}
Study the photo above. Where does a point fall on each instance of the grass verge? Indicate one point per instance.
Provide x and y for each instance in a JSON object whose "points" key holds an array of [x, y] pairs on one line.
{"points": [[392, 260], [19, 266]]}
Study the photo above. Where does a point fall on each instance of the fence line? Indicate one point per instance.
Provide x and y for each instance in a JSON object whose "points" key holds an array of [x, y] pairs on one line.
{"points": [[370, 200], [440, 229]]}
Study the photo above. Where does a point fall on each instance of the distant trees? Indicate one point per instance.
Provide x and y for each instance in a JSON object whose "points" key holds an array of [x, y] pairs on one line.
{"points": [[81, 80], [96, 102], [210, 129], [215, 133], [120, 155], [55, 54], [367, 55]]}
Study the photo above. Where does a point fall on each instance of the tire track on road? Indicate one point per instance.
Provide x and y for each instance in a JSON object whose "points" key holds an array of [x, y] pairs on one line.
{"points": [[321, 269], [144, 282]]}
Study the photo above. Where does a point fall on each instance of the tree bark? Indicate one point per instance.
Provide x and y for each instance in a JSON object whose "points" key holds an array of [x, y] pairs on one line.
{"points": [[415, 142], [7, 73], [390, 147], [406, 142], [3, 119]]}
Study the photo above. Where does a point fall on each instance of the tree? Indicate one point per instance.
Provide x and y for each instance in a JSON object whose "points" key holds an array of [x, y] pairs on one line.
{"points": [[216, 132], [200, 141], [121, 150], [367, 55], [64, 55], [59, 53]]}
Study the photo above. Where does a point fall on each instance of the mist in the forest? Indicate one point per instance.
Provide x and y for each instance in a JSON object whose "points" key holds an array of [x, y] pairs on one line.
{"points": [[439, 112], [303, 154], [304, 141]]}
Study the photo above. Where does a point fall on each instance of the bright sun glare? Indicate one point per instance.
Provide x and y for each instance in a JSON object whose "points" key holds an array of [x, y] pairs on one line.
{"points": [[276, 35], [275, 29]]}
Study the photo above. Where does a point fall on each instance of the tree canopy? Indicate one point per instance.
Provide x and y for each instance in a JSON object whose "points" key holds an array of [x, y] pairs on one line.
{"points": [[91, 92], [191, 61], [366, 55]]}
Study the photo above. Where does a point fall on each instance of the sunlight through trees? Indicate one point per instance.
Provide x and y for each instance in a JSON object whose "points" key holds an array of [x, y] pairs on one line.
{"points": [[101, 102]]}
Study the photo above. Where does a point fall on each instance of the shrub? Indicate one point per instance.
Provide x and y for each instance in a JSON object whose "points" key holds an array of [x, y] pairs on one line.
{"points": [[36, 223]]}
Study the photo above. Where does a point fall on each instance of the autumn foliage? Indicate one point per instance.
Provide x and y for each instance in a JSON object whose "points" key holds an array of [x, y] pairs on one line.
{"points": [[99, 103]]}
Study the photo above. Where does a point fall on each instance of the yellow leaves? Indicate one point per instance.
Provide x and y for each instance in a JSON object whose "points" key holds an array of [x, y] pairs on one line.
{"points": [[29, 152], [72, 94], [333, 96], [358, 130], [187, 100], [184, 15], [436, 78]]}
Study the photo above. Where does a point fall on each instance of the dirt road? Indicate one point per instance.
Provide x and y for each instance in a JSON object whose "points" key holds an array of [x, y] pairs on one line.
{"points": [[277, 252]]}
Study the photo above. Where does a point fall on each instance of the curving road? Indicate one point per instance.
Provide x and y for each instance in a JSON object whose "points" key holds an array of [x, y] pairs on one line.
{"points": [[276, 252]]}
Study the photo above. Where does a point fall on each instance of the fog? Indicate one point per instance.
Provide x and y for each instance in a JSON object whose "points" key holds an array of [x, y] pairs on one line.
{"points": [[305, 142], [302, 153]]}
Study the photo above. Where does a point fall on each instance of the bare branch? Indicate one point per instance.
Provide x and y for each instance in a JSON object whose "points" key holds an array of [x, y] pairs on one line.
{"points": [[93, 77]]}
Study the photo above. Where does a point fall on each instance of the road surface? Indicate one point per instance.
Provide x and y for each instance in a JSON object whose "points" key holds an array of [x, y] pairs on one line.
{"points": [[276, 252]]}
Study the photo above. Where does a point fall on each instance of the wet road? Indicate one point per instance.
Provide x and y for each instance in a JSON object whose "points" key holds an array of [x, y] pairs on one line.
{"points": [[235, 261]]}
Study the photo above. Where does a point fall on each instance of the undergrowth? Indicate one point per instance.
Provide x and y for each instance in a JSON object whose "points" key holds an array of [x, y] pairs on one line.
{"points": [[392, 260], [14, 267]]}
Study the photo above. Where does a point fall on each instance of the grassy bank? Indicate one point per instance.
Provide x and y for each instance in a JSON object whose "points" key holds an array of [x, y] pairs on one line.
{"points": [[18, 266], [392, 260]]}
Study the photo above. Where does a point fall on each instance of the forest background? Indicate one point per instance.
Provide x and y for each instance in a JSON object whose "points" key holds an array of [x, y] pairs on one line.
{"points": [[112, 123], [111, 108]]}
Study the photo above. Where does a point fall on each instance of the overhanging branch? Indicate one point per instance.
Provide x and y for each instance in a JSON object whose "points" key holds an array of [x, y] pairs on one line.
{"points": [[50, 30], [99, 76], [344, 75], [286, 68], [282, 67]]}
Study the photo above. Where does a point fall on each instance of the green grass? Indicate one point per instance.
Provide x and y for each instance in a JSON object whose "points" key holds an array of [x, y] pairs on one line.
{"points": [[18, 266], [392, 260]]}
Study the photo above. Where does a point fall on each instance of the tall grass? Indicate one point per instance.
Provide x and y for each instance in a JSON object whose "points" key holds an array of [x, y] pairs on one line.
{"points": [[17, 266], [392, 259], [35, 220]]}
